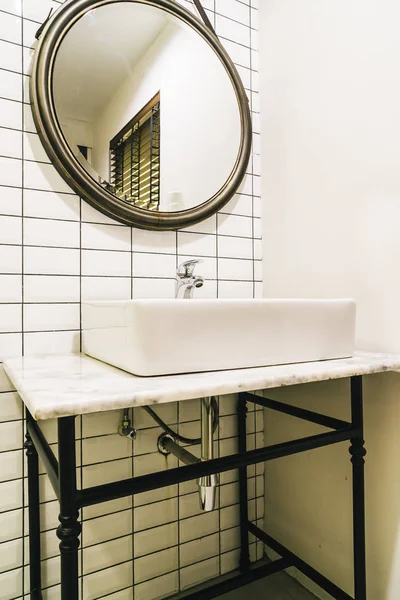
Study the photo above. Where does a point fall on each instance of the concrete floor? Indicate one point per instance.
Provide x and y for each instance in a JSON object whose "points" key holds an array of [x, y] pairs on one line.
{"points": [[276, 587]]}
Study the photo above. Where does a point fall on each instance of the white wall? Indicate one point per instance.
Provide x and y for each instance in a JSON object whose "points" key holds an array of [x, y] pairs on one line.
{"points": [[330, 100], [198, 115], [78, 133]]}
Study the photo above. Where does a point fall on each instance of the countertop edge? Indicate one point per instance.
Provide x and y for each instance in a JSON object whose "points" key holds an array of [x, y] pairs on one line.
{"points": [[43, 405]]}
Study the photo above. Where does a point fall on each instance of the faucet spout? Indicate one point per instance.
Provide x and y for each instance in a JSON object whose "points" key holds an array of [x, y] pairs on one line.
{"points": [[186, 280]]}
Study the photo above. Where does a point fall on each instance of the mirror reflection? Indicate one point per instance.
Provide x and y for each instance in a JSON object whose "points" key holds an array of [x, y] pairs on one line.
{"points": [[146, 107]]}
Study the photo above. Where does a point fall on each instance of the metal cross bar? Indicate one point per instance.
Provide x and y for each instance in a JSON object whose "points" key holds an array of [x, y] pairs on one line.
{"points": [[297, 562], [153, 481], [234, 582], [300, 413], [45, 453]]}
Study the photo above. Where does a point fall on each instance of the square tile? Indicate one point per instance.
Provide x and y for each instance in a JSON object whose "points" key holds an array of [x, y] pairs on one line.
{"points": [[235, 269], [232, 30], [10, 171], [11, 6], [234, 247], [37, 10], [51, 342], [10, 230], [11, 465], [10, 55], [10, 525], [10, 259], [106, 263], [106, 288], [51, 205], [10, 318], [10, 85], [199, 526], [108, 527], [29, 31], [50, 288], [107, 581], [153, 265], [33, 148], [10, 143], [10, 201], [10, 27], [44, 177], [107, 554], [160, 242], [155, 564], [11, 583], [106, 237], [234, 10], [153, 540], [154, 288], [10, 495], [234, 225], [194, 244], [146, 516], [10, 345], [51, 317], [10, 406], [199, 550], [235, 289], [10, 436], [199, 572], [51, 261], [46, 232], [160, 587]]}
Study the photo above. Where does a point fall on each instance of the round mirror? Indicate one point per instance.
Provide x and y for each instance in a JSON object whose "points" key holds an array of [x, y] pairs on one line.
{"points": [[141, 110]]}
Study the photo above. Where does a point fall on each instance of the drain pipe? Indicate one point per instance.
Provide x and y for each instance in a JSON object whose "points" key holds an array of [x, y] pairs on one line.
{"points": [[167, 445], [208, 483]]}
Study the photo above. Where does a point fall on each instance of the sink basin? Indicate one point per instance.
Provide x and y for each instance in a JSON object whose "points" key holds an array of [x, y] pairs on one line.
{"points": [[161, 337]]}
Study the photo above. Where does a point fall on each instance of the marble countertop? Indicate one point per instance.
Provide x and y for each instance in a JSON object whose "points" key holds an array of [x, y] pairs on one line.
{"points": [[73, 384]]}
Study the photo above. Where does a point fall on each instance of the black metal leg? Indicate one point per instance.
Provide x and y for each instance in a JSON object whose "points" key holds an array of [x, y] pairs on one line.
{"points": [[34, 517], [358, 452], [69, 529], [244, 562]]}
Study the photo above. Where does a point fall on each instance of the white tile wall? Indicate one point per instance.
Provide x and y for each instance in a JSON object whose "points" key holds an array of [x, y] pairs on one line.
{"points": [[55, 250]]}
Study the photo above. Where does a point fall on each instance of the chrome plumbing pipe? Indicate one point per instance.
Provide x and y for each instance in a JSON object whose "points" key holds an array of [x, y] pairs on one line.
{"points": [[208, 484], [166, 445]]}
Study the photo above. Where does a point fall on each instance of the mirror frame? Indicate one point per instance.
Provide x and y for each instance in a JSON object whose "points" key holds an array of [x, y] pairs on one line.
{"points": [[62, 157]]}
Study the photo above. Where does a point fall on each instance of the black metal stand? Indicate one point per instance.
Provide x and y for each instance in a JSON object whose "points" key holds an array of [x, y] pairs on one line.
{"points": [[358, 452], [62, 475], [69, 529], [34, 517], [244, 563]]}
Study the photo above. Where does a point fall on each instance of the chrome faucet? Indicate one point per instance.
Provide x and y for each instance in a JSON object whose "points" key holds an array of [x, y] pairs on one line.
{"points": [[186, 280]]}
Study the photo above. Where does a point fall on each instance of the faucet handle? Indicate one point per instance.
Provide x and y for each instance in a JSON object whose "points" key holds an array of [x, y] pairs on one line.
{"points": [[187, 268]]}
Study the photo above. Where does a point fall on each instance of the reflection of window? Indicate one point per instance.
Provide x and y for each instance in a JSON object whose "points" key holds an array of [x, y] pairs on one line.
{"points": [[135, 158]]}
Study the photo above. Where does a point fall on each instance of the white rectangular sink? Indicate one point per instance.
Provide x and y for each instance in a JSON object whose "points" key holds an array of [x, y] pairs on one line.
{"points": [[161, 337]]}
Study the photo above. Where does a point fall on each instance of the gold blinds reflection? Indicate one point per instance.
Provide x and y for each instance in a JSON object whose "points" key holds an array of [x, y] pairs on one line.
{"points": [[135, 159]]}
